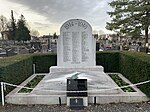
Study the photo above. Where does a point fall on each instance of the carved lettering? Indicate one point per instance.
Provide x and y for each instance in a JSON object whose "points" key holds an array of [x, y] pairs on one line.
{"points": [[83, 25], [68, 25]]}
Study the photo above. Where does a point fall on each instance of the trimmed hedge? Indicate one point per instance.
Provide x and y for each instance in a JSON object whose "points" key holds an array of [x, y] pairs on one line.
{"points": [[136, 67], [44, 61], [109, 60], [15, 69]]}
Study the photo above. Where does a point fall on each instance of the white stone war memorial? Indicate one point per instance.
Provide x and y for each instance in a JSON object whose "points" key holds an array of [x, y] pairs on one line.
{"points": [[76, 78], [76, 47]]}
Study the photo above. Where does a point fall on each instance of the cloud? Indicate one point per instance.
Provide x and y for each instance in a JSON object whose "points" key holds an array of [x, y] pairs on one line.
{"points": [[41, 24], [60, 10]]}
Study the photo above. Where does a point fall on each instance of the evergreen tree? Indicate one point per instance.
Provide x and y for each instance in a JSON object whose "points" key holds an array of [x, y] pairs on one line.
{"points": [[130, 17], [55, 36], [12, 28], [23, 33]]}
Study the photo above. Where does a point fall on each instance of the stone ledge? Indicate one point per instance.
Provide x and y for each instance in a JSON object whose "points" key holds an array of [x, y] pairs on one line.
{"points": [[55, 69], [54, 99]]}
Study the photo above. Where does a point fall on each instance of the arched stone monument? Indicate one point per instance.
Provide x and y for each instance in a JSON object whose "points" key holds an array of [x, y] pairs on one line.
{"points": [[76, 47]]}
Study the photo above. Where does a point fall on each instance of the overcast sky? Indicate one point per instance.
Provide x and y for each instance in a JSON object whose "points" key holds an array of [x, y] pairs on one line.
{"points": [[47, 16]]}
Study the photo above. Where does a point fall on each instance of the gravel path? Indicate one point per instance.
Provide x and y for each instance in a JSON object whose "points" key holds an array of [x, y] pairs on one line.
{"points": [[122, 107]]}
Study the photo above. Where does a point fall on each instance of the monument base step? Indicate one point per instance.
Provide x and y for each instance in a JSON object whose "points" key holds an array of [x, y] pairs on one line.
{"points": [[42, 93], [49, 100], [55, 69]]}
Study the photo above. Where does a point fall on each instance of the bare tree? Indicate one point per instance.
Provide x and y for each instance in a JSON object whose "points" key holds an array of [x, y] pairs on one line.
{"points": [[3, 25], [34, 33]]}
